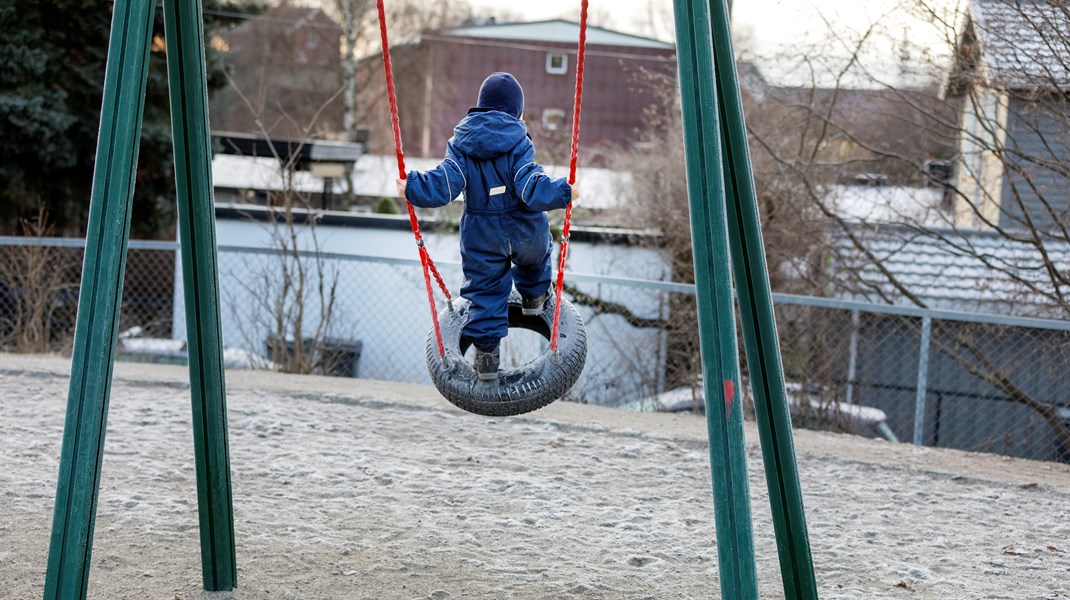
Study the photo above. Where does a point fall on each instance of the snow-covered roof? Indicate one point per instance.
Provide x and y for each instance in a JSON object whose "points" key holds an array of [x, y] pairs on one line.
{"points": [[948, 269], [374, 176], [236, 172], [888, 204], [1025, 44], [557, 31]]}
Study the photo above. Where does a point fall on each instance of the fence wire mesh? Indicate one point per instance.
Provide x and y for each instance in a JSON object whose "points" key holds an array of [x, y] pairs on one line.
{"points": [[955, 380]]}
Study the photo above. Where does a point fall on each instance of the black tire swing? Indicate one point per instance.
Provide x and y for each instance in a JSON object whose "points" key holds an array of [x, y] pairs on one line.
{"points": [[553, 372], [518, 390]]}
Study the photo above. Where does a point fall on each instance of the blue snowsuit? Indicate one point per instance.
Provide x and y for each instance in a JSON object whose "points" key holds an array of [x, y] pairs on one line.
{"points": [[505, 235]]}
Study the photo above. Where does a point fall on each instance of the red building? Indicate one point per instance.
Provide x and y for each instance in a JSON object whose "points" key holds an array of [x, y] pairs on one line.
{"points": [[286, 66], [439, 78]]}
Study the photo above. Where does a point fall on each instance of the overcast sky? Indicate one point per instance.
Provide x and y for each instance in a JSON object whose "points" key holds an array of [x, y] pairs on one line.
{"points": [[777, 33], [652, 18]]}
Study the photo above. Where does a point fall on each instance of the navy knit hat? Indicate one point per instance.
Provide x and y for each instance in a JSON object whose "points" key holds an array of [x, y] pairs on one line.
{"points": [[501, 91]]}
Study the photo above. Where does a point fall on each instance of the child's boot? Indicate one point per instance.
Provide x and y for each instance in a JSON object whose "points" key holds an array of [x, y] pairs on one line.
{"points": [[486, 364], [533, 306]]}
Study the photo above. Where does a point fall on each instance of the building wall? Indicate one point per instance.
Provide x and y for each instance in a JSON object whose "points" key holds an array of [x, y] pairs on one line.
{"points": [[979, 175], [1036, 181], [618, 89], [382, 306], [287, 71], [1028, 178]]}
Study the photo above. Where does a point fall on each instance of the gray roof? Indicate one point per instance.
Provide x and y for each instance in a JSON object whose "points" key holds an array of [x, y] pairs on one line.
{"points": [[557, 31], [1025, 43], [951, 270]]}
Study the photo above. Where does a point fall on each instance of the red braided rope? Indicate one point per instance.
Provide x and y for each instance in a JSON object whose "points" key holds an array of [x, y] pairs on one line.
{"points": [[427, 264], [571, 174]]}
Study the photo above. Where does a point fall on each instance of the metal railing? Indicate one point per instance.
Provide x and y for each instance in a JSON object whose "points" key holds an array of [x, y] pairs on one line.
{"points": [[990, 383]]}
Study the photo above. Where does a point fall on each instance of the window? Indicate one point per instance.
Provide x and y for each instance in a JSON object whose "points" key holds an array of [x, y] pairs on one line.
{"points": [[553, 118], [556, 63]]}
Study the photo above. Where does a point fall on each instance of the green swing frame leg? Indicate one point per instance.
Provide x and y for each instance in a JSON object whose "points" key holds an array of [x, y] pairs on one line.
{"points": [[725, 222], [188, 87], [96, 330], [78, 485], [759, 326], [716, 314]]}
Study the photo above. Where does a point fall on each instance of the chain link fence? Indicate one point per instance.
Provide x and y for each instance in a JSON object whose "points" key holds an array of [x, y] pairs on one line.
{"points": [[937, 378]]}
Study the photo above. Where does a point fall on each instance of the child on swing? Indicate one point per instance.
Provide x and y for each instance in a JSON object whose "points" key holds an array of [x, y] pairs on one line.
{"points": [[505, 235]]}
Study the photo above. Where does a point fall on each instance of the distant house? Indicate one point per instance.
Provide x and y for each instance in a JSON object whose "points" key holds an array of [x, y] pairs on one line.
{"points": [[286, 66], [623, 76], [1010, 75], [870, 137]]}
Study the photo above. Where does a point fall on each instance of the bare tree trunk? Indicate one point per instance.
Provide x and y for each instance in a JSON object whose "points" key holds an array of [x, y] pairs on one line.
{"points": [[349, 68], [429, 86], [283, 294]]}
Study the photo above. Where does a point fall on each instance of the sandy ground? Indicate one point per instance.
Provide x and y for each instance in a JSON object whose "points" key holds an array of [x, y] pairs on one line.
{"points": [[363, 489]]}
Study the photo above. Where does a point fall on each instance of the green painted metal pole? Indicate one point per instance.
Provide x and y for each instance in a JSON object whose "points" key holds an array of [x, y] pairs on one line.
{"points": [[184, 30], [759, 325], [71, 543], [717, 332]]}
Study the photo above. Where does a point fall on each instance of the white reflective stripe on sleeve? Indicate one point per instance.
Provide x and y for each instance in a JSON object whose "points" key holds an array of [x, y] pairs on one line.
{"points": [[497, 190], [459, 171], [524, 191], [446, 175], [518, 171]]}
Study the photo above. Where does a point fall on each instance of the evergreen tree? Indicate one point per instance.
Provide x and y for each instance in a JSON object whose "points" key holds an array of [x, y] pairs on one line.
{"points": [[54, 54]]}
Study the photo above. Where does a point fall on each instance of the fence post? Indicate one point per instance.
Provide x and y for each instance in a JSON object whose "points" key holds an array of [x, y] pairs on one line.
{"points": [[923, 374], [717, 331], [852, 356], [663, 353], [99, 299], [188, 86]]}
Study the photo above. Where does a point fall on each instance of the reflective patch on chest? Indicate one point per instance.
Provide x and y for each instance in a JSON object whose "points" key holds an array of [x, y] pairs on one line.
{"points": [[494, 191]]}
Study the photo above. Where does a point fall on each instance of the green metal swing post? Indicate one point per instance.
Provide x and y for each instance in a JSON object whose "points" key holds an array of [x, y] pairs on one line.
{"points": [[725, 222], [67, 573], [97, 327], [716, 314], [188, 86], [759, 324]]}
